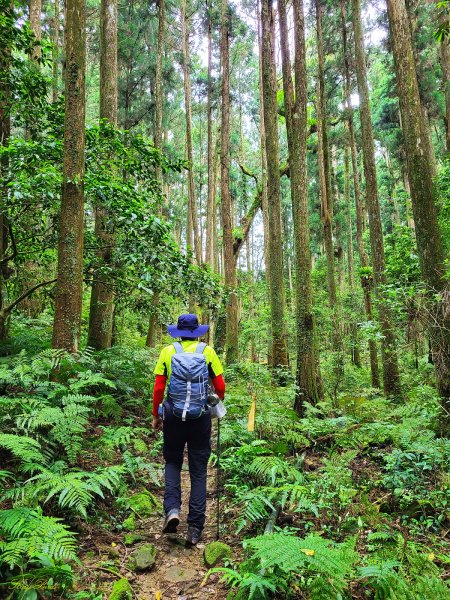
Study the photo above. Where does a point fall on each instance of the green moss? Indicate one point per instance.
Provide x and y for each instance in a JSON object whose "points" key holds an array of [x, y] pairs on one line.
{"points": [[144, 504], [132, 538], [121, 590], [143, 558], [130, 523], [215, 552]]}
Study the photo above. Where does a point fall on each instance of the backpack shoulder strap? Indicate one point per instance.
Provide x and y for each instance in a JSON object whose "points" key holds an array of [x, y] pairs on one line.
{"points": [[178, 347], [200, 347]]}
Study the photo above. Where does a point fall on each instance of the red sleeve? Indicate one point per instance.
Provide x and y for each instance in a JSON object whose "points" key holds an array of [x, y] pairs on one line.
{"points": [[158, 392], [219, 386]]}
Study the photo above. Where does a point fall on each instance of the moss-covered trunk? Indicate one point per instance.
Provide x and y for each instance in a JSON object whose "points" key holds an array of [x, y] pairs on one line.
{"points": [[391, 376], [102, 298], [365, 283], [296, 128], [428, 236], [275, 248], [227, 221], [69, 285], [193, 233]]}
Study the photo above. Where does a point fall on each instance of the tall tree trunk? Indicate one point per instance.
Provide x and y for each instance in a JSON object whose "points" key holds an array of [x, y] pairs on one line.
{"points": [[159, 96], [227, 223], [262, 132], [158, 141], [349, 216], [35, 25], [413, 26], [428, 236], [69, 285], [391, 377], [55, 53], [211, 192], [296, 128], [275, 263], [5, 133], [326, 199], [102, 298], [192, 202], [445, 65]]}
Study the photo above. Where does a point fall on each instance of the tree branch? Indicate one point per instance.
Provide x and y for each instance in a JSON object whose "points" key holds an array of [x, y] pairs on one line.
{"points": [[247, 222], [8, 309]]}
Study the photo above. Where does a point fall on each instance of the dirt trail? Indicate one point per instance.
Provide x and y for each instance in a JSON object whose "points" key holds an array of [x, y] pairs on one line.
{"points": [[179, 571]]}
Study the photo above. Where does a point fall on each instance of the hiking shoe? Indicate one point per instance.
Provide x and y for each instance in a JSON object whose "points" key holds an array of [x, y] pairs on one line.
{"points": [[172, 521], [193, 535]]}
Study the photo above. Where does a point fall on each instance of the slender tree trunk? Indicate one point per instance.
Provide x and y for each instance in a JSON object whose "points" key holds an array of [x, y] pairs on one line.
{"points": [[264, 196], [159, 95], [55, 53], [215, 208], [326, 200], [5, 133], [365, 281], [211, 195], [391, 377], [102, 298], [413, 26], [428, 236], [445, 65], [276, 272], [158, 141], [296, 128], [69, 285], [35, 25], [349, 217], [192, 202], [227, 223]]}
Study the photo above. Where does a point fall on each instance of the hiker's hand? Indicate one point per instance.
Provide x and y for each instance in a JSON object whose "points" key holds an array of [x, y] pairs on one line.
{"points": [[156, 423]]}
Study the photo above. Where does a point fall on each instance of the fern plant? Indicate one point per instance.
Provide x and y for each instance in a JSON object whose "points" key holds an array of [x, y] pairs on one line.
{"points": [[24, 449], [33, 549], [282, 563], [74, 490], [28, 535], [65, 425]]}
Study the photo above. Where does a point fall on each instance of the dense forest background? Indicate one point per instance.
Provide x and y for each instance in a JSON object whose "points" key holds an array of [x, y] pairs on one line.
{"points": [[280, 169]]}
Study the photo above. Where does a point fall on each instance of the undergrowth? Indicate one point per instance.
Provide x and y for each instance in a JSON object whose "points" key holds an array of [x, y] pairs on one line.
{"points": [[351, 501]]}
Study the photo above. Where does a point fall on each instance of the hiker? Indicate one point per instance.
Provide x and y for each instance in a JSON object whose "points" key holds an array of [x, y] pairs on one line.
{"points": [[186, 366]]}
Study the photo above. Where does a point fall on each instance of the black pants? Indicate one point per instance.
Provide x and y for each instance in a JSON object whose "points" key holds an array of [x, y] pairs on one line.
{"points": [[196, 433]]}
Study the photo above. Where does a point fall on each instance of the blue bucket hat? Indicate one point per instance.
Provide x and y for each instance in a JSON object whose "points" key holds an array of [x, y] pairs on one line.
{"points": [[188, 327]]}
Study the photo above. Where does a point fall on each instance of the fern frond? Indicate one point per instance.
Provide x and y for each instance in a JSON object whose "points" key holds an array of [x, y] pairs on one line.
{"points": [[24, 448], [29, 534], [313, 553]]}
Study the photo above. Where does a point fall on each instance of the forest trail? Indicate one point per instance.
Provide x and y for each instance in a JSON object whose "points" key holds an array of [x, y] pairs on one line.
{"points": [[179, 571]]}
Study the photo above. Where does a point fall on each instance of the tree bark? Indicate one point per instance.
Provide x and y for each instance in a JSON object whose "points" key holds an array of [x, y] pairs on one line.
{"points": [[445, 65], [227, 223], [158, 142], [391, 377], [296, 129], [275, 263], [5, 133], [428, 236], [262, 133], [102, 298], [35, 25], [69, 285], [192, 202], [55, 53], [210, 207], [326, 199]]}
